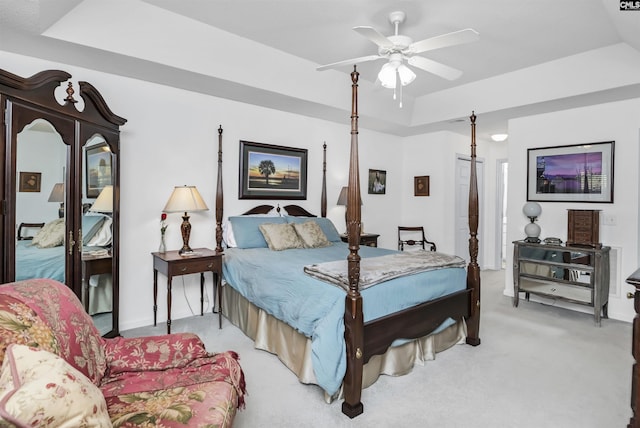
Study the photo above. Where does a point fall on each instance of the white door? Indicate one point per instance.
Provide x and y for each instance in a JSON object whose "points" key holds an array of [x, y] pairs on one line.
{"points": [[463, 170]]}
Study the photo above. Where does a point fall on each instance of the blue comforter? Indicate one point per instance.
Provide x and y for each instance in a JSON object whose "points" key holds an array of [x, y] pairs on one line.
{"points": [[275, 281], [34, 262]]}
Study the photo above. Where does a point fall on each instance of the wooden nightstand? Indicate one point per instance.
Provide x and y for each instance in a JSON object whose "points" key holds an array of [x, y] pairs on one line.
{"points": [[368, 239], [173, 264]]}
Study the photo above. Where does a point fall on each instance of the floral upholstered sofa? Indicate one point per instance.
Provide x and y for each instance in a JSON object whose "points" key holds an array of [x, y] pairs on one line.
{"points": [[58, 371]]}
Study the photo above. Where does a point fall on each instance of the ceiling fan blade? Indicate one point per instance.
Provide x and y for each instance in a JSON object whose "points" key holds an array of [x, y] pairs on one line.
{"points": [[449, 39], [349, 62], [434, 67], [374, 35]]}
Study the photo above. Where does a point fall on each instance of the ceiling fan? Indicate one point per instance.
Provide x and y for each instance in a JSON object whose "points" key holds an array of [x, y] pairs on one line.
{"points": [[398, 48]]}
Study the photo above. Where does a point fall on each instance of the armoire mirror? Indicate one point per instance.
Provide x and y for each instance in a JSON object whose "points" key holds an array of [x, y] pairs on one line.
{"points": [[60, 184]]}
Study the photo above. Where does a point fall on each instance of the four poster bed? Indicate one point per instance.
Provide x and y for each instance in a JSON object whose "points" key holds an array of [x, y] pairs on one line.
{"points": [[320, 306]]}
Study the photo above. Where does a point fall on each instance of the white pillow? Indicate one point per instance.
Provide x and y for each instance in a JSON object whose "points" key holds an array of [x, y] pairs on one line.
{"points": [[40, 389], [51, 234], [227, 234], [103, 237]]}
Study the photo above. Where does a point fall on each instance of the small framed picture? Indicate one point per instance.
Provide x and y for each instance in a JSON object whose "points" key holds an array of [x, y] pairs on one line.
{"points": [[421, 185], [30, 182], [377, 181]]}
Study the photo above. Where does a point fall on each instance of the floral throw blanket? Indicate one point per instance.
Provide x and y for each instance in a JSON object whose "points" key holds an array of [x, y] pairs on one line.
{"points": [[374, 270]]}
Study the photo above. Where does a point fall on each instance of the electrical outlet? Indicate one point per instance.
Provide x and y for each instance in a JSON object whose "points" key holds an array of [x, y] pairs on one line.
{"points": [[610, 220]]}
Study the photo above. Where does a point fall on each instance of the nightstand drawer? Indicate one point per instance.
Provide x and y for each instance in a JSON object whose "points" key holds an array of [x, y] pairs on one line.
{"points": [[194, 266]]}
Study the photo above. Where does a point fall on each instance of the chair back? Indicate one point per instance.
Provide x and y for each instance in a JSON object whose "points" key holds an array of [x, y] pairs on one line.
{"points": [[413, 235]]}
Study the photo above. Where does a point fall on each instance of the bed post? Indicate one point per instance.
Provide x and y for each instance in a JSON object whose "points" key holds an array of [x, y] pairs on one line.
{"points": [[473, 270], [323, 196], [219, 195], [353, 317]]}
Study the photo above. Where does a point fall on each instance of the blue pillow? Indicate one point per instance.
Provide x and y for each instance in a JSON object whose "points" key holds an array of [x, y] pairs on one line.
{"points": [[91, 224], [325, 224], [246, 230]]}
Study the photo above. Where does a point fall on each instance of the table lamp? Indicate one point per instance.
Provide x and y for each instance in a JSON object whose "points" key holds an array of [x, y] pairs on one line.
{"points": [[185, 199], [104, 201], [57, 195], [532, 230]]}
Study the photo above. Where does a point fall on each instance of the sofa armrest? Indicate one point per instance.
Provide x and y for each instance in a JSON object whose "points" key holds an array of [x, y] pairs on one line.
{"points": [[152, 352]]}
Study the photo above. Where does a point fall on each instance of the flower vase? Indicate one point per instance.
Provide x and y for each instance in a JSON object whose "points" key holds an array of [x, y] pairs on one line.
{"points": [[163, 245]]}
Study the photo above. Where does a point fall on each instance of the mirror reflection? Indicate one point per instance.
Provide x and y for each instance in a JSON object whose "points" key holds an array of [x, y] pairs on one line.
{"points": [[40, 194], [97, 202]]}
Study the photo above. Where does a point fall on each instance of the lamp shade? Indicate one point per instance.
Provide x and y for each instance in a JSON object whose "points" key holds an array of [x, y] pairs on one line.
{"points": [[342, 199], [57, 193], [185, 199], [104, 201], [532, 209], [387, 74]]}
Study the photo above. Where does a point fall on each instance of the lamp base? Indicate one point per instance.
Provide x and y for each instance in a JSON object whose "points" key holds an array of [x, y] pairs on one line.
{"points": [[532, 240], [185, 229]]}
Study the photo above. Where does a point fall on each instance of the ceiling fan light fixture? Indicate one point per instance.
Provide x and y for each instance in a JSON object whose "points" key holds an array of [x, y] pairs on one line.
{"points": [[387, 75], [406, 75]]}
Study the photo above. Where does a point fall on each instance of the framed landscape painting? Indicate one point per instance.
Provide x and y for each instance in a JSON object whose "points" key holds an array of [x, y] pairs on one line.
{"points": [[272, 172], [575, 173]]}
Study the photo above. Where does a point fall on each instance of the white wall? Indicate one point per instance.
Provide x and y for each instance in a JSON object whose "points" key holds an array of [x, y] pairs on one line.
{"points": [[435, 155], [171, 138], [619, 121]]}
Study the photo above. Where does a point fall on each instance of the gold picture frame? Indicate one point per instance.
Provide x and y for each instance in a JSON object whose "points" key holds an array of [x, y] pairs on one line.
{"points": [[30, 181]]}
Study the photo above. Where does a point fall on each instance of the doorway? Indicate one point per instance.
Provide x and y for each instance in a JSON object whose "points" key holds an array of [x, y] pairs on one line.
{"points": [[502, 172]]}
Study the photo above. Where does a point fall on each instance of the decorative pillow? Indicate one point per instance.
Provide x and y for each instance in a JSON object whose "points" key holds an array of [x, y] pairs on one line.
{"points": [[51, 234], [281, 236], [40, 389], [103, 237], [246, 230], [325, 224], [311, 234], [227, 229], [91, 224]]}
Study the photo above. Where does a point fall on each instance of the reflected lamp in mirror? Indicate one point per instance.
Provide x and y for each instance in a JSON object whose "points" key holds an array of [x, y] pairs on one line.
{"points": [[185, 199], [532, 210], [104, 201], [57, 195]]}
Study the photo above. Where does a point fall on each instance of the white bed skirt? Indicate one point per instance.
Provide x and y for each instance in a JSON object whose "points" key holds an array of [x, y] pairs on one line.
{"points": [[294, 349]]}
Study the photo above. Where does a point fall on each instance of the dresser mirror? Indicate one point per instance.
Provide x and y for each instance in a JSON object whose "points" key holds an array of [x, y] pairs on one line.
{"points": [[60, 189]]}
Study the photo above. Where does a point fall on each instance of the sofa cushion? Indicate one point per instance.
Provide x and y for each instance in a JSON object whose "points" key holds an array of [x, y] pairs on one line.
{"points": [[78, 340], [40, 389], [21, 325]]}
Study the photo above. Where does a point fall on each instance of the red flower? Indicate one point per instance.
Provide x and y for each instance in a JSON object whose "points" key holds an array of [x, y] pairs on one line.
{"points": [[163, 216]]}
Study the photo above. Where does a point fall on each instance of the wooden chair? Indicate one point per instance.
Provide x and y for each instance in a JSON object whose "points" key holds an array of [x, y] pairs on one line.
{"points": [[422, 242]]}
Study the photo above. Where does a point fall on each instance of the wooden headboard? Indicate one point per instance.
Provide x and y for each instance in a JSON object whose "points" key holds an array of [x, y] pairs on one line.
{"points": [[294, 210]]}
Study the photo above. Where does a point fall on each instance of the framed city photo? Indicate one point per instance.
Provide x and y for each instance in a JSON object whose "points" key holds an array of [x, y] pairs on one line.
{"points": [[575, 173], [272, 172], [377, 181]]}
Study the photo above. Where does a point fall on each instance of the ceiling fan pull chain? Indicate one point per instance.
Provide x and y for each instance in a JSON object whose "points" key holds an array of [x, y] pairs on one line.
{"points": [[395, 87]]}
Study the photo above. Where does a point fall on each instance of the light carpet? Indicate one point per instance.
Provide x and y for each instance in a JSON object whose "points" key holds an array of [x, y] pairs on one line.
{"points": [[538, 366]]}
